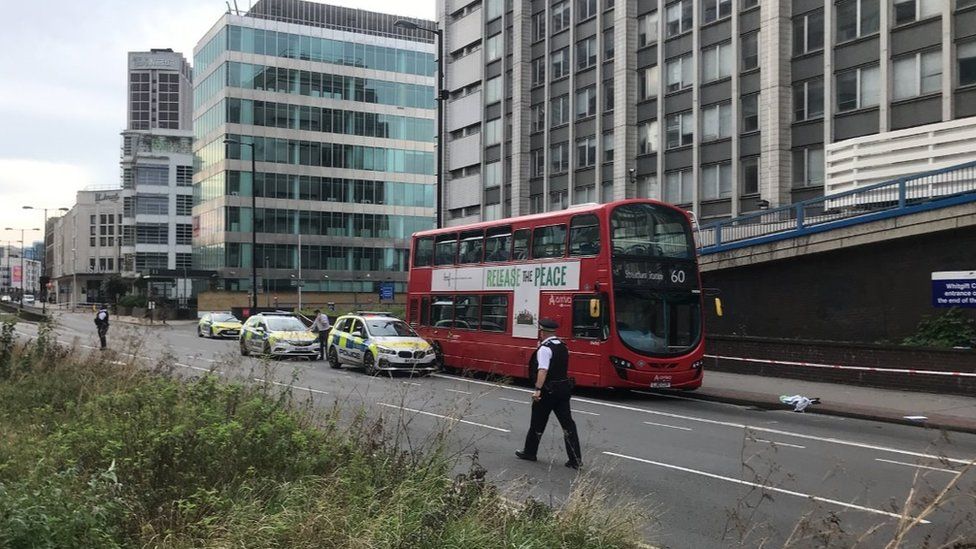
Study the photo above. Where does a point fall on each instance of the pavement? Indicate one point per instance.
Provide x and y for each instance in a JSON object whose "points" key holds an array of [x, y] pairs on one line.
{"points": [[949, 412], [712, 471]]}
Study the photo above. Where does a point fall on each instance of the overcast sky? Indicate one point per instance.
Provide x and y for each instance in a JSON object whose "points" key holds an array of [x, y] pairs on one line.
{"points": [[62, 88]]}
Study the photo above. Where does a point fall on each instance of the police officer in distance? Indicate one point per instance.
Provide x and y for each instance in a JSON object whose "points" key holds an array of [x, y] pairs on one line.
{"points": [[549, 368]]}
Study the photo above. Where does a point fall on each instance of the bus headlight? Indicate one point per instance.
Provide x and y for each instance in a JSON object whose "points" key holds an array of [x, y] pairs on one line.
{"points": [[620, 362]]}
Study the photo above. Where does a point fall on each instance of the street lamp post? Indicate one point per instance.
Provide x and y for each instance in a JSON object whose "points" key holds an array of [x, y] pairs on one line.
{"points": [[441, 99], [43, 292], [23, 273], [254, 218]]}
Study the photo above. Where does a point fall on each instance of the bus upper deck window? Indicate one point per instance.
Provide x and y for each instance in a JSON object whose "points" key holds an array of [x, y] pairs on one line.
{"points": [[445, 250], [520, 245], [584, 235], [423, 252], [549, 241], [472, 244], [498, 244]]}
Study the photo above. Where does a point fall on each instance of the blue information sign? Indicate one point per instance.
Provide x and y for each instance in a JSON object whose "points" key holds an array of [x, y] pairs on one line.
{"points": [[386, 291], [954, 289]]}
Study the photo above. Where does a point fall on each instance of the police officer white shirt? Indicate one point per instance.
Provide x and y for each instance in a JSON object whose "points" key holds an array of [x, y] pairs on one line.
{"points": [[544, 354]]}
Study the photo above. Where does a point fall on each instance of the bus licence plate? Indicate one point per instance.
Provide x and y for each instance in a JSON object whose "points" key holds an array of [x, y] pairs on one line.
{"points": [[660, 384]]}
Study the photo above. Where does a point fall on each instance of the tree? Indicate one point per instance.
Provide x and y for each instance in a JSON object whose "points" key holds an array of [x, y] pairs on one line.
{"points": [[113, 287]]}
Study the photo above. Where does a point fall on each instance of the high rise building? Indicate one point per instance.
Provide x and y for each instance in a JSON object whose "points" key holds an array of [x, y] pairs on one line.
{"points": [[337, 107], [157, 172], [85, 246], [721, 106]]}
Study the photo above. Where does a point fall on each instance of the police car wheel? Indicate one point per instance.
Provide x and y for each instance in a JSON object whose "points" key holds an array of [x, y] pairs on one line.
{"points": [[243, 348], [210, 332], [333, 358], [199, 331], [369, 364], [266, 350]]}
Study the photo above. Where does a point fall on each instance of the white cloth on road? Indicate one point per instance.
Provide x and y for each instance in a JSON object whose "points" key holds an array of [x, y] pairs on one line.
{"points": [[799, 402]]}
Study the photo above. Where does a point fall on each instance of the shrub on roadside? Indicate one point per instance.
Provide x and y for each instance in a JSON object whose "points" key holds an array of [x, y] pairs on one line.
{"points": [[951, 329]]}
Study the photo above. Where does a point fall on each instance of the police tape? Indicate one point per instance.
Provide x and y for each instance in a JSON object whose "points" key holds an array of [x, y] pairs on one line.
{"points": [[840, 367]]}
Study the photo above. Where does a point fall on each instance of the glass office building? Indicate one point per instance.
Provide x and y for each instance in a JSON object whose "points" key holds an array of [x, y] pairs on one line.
{"points": [[337, 106]]}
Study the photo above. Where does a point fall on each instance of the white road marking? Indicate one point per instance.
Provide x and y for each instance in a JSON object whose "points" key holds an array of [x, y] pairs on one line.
{"points": [[181, 365], [513, 400], [668, 426], [278, 383], [457, 391], [777, 443], [584, 412], [830, 440], [449, 418], [917, 466], [762, 487], [411, 383]]}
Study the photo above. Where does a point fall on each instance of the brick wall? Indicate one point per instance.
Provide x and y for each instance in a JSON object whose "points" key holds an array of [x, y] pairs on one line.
{"points": [[871, 293], [846, 354]]}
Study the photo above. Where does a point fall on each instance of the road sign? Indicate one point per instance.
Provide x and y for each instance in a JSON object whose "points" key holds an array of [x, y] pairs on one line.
{"points": [[386, 291], [954, 289]]}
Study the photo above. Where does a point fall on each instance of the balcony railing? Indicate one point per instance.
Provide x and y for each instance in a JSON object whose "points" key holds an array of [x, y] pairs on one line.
{"points": [[909, 194]]}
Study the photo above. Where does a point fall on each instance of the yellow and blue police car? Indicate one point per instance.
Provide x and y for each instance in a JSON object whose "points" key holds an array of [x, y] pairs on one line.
{"points": [[277, 335], [218, 325], [378, 342]]}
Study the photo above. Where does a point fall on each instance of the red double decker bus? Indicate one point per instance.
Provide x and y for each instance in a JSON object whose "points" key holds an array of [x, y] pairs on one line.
{"points": [[621, 279]]}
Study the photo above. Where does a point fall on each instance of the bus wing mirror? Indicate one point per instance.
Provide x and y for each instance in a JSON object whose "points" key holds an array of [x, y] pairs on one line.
{"points": [[718, 306], [594, 308]]}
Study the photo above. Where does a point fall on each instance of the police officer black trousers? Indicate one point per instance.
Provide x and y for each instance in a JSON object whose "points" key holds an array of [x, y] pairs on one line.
{"points": [[558, 404]]}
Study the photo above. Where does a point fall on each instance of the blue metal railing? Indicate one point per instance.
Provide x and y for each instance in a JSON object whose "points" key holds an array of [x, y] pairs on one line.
{"points": [[909, 194]]}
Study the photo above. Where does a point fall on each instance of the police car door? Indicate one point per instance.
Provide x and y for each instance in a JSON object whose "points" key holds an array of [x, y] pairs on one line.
{"points": [[357, 340]]}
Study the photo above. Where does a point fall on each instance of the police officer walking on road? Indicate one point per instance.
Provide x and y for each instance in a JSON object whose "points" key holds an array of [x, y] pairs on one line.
{"points": [[549, 369], [101, 323], [322, 326]]}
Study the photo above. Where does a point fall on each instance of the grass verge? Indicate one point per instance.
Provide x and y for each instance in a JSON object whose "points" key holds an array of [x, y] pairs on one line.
{"points": [[100, 453]]}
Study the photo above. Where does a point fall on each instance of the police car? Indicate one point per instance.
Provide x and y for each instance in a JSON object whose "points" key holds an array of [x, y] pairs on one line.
{"points": [[277, 335], [218, 325], [378, 342]]}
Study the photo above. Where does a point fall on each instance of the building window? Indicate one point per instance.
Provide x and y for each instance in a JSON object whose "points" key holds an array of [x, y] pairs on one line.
{"points": [[538, 116], [586, 102], [749, 49], [608, 44], [716, 122], [716, 62], [539, 71], [608, 145], [960, 4], [184, 233], [856, 18], [184, 176], [538, 163], [559, 158], [679, 17], [647, 82], [494, 9], [152, 233], [750, 175], [857, 88], [647, 29], [808, 167], [808, 99], [808, 32], [152, 175], [493, 174], [966, 56], [584, 195], [152, 204], [493, 90], [493, 132], [917, 74], [184, 204], [561, 17], [647, 187], [608, 95], [750, 112], [647, 137], [586, 152], [560, 63], [680, 73], [746, 4], [713, 10], [585, 9], [493, 48], [586, 53], [538, 26], [907, 11], [716, 181], [558, 200], [679, 129], [678, 186], [559, 108]]}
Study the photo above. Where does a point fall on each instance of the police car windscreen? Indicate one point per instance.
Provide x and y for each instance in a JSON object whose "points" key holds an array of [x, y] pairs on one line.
{"points": [[383, 328], [224, 317], [286, 324]]}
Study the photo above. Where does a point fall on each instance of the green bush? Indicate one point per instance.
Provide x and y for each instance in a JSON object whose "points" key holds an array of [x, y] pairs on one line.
{"points": [[133, 300], [96, 453], [951, 329]]}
